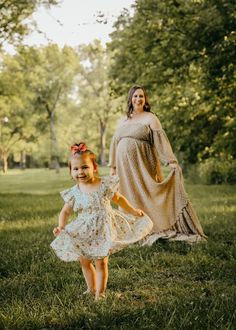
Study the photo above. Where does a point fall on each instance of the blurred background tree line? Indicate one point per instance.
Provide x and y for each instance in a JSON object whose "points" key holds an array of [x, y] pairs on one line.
{"points": [[182, 52]]}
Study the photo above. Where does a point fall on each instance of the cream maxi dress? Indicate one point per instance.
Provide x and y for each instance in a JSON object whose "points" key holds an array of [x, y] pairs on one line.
{"points": [[97, 229], [135, 152]]}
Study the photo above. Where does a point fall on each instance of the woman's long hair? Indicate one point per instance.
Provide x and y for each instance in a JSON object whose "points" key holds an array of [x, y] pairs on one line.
{"points": [[130, 109]]}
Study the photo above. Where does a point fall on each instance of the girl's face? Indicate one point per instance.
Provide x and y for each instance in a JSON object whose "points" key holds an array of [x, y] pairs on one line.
{"points": [[82, 169], [138, 99]]}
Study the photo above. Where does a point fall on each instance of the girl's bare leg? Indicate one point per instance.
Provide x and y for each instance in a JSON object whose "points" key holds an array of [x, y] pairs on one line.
{"points": [[101, 276], [89, 273]]}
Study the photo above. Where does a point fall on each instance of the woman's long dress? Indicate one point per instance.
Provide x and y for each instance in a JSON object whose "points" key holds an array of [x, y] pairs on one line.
{"points": [[135, 152]]}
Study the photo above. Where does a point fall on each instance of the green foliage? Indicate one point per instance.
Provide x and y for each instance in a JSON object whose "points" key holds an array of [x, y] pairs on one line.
{"points": [[97, 103], [56, 97], [216, 171], [171, 285], [13, 15], [183, 52], [17, 120], [54, 71], [35, 84]]}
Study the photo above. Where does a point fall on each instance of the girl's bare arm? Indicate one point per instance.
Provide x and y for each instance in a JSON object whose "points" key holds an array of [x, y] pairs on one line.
{"points": [[63, 218], [125, 204]]}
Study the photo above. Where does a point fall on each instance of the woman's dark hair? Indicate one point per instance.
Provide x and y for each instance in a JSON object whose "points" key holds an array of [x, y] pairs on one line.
{"points": [[79, 149], [130, 109]]}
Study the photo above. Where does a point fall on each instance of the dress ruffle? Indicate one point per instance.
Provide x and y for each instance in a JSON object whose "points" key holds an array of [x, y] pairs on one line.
{"points": [[68, 196], [99, 229]]}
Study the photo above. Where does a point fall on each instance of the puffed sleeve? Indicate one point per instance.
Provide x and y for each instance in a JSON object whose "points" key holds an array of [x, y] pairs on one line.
{"points": [[112, 154], [68, 196], [112, 186], [163, 147]]}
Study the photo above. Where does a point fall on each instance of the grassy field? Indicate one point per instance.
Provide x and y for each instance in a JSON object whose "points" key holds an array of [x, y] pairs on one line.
{"points": [[167, 286]]}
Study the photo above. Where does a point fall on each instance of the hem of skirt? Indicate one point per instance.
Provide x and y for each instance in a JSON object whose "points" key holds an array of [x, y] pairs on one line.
{"points": [[185, 222], [183, 229], [78, 257]]}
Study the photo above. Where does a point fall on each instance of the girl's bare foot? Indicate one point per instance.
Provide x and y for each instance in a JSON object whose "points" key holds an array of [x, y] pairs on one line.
{"points": [[87, 293], [100, 296]]}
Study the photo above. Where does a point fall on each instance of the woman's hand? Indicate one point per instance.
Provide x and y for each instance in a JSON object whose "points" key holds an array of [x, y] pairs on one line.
{"points": [[57, 231], [137, 213], [112, 171], [173, 166]]}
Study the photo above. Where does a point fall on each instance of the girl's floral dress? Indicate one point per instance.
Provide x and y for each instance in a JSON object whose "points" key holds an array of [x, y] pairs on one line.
{"points": [[98, 229]]}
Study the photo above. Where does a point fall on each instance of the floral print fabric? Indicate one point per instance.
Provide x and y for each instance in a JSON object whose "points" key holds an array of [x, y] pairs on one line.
{"points": [[98, 229]]}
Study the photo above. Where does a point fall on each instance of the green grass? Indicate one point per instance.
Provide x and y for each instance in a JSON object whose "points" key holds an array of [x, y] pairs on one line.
{"points": [[167, 286]]}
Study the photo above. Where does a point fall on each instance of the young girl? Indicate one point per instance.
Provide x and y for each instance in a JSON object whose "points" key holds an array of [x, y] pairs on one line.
{"points": [[98, 230]]}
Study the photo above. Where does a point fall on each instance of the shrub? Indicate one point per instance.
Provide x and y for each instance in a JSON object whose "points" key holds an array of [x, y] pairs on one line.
{"points": [[215, 171]]}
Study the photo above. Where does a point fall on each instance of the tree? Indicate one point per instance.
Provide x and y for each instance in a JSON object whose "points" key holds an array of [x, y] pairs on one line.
{"points": [[13, 15], [35, 83], [17, 123], [183, 52], [52, 83], [97, 104]]}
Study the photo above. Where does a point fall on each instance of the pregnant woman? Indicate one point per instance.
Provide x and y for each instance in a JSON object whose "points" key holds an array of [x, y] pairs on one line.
{"points": [[137, 148]]}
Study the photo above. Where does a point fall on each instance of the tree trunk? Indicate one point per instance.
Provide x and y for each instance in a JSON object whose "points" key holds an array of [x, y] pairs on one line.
{"points": [[4, 160], [54, 144], [103, 143], [22, 159]]}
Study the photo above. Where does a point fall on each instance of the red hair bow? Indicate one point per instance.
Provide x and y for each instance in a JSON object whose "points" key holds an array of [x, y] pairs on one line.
{"points": [[81, 147]]}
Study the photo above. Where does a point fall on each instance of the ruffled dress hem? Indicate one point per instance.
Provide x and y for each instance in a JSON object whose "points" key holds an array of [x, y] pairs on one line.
{"points": [[99, 230], [182, 230]]}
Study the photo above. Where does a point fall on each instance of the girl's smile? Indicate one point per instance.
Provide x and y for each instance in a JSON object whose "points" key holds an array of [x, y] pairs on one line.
{"points": [[82, 169]]}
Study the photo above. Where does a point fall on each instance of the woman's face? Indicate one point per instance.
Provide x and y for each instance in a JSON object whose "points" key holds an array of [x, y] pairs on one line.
{"points": [[138, 99]]}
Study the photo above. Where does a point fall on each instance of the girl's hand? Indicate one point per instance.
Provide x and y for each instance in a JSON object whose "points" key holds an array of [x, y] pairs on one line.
{"points": [[112, 171], [57, 231], [138, 213]]}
